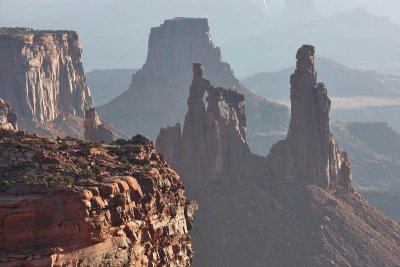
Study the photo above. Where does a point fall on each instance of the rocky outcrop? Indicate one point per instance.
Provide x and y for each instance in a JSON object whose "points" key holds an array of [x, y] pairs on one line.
{"points": [[94, 129], [159, 90], [8, 116], [214, 138], [309, 154], [71, 203]]}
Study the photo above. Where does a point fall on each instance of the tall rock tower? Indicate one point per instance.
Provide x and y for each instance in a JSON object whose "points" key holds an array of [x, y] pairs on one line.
{"points": [[310, 154]]}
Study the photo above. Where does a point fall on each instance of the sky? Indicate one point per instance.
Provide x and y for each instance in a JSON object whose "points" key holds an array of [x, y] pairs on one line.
{"points": [[114, 33]]}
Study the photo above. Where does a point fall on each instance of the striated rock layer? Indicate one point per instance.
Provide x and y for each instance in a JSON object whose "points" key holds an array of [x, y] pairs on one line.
{"points": [[41, 73], [159, 92], [214, 138], [42, 77], [309, 154], [71, 203], [94, 129], [8, 116]]}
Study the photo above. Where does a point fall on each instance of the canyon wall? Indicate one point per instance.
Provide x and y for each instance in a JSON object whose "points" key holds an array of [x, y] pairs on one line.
{"points": [[213, 138], [159, 92], [42, 77], [70, 203], [41, 73]]}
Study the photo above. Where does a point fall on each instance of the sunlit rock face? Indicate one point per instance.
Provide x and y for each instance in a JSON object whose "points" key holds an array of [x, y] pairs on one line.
{"points": [[41, 73], [309, 154], [68, 203], [213, 138]]}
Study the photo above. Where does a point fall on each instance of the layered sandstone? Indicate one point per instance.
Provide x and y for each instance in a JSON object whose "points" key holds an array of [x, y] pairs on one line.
{"points": [[41, 73], [94, 129], [309, 154], [73, 203], [159, 92], [42, 77], [8, 116], [213, 138]]}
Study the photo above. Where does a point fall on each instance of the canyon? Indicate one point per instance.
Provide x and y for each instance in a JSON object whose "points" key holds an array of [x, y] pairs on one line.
{"points": [[8, 116]]}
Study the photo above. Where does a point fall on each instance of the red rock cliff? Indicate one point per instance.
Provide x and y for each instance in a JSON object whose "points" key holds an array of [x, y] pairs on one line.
{"points": [[70, 203]]}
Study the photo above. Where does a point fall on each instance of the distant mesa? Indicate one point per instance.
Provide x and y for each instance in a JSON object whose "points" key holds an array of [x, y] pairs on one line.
{"points": [[158, 90]]}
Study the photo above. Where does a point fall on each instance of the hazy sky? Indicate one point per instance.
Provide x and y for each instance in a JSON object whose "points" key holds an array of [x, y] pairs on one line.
{"points": [[114, 32]]}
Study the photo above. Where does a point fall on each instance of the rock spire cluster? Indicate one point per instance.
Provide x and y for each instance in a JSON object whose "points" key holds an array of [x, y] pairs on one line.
{"points": [[213, 138]]}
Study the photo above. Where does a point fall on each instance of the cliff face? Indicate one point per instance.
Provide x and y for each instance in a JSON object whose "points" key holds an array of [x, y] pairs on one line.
{"points": [[8, 116], [94, 129], [213, 138], [309, 153], [68, 202], [159, 89], [41, 73]]}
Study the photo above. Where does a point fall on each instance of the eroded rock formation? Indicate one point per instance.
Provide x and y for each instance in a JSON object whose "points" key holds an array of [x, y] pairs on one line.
{"points": [[42, 77], [94, 129], [41, 73], [309, 154], [8, 116], [213, 138], [70, 203], [159, 89], [297, 202]]}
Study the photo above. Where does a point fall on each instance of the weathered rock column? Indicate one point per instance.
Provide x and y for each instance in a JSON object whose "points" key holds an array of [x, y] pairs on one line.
{"points": [[309, 154]]}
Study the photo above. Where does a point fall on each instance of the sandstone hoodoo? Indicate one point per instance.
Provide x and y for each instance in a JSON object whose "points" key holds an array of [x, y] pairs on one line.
{"points": [[159, 92], [8, 116], [94, 129], [42, 76], [213, 138], [309, 154], [298, 201], [75, 203]]}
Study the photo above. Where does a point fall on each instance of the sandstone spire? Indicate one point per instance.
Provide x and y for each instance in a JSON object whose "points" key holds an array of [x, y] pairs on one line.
{"points": [[213, 138], [309, 154]]}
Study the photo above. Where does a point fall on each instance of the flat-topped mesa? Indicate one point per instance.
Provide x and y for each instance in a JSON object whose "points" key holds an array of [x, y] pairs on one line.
{"points": [[309, 154], [94, 129], [213, 139], [8, 116], [41, 73]]}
